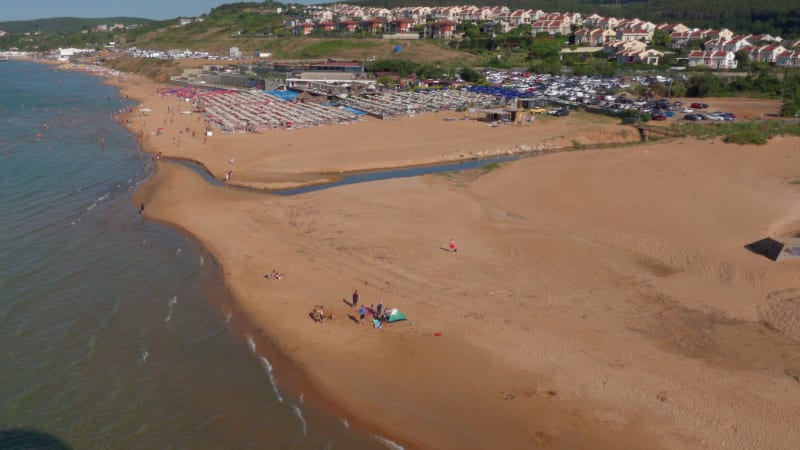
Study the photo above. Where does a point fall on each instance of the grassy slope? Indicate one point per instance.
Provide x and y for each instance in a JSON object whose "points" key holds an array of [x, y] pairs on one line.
{"points": [[154, 69], [218, 41]]}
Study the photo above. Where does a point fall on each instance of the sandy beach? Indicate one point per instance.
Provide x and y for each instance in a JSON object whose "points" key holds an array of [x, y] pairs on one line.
{"points": [[598, 299]]}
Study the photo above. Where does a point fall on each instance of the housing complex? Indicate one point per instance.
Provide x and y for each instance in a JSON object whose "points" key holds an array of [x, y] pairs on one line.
{"points": [[626, 39]]}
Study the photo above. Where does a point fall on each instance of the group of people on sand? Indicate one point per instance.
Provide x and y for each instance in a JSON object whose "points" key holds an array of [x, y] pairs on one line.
{"points": [[380, 315], [157, 156], [319, 316], [274, 275]]}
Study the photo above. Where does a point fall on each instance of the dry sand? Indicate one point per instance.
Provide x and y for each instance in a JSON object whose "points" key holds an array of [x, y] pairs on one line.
{"points": [[598, 299]]}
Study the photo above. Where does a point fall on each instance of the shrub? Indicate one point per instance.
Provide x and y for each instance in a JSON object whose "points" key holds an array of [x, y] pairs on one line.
{"points": [[750, 135]]}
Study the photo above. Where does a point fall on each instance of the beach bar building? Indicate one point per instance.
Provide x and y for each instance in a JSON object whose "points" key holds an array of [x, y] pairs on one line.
{"points": [[505, 115]]}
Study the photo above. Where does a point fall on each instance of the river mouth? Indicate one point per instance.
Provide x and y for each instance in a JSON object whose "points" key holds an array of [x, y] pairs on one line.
{"points": [[310, 182]]}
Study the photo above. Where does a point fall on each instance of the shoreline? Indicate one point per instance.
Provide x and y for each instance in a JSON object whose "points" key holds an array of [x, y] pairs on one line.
{"points": [[293, 378], [518, 404]]}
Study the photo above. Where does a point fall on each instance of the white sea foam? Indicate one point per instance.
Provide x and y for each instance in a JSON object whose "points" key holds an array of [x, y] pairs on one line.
{"points": [[252, 345], [228, 316], [103, 197], [345, 422], [145, 355], [171, 302], [268, 369], [297, 412], [202, 261], [301, 398], [91, 207], [388, 443], [178, 251]]}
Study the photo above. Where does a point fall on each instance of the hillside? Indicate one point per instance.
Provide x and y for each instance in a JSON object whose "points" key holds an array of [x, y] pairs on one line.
{"points": [[256, 26], [65, 25]]}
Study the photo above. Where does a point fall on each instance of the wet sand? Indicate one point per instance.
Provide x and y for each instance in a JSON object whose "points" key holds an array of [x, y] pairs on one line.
{"points": [[598, 299]]}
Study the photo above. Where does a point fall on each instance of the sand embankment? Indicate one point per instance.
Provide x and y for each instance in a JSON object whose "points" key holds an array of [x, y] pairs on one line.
{"points": [[599, 299]]}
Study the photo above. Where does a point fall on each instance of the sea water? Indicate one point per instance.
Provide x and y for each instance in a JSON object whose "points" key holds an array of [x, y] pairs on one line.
{"points": [[114, 331]]}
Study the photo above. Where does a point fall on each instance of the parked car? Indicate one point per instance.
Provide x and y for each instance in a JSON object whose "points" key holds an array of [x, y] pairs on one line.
{"points": [[660, 117], [537, 110], [693, 117], [559, 112], [687, 110], [717, 117], [699, 105]]}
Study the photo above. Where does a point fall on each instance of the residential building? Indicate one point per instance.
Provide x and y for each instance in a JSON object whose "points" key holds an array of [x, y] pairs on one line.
{"points": [[685, 38], [303, 29], [349, 25], [788, 58], [551, 27], [443, 29], [520, 17], [374, 25], [634, 32], [636, 56], [594, 37], [401, 25], [715, 60], [724, 34], [325, 26], [766, 53]]}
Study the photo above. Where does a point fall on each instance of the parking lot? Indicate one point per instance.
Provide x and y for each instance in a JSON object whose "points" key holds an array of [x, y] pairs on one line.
{"points": [[613, 96]]}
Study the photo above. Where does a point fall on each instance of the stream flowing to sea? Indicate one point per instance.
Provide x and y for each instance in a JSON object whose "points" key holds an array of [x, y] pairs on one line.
{"points": [[116, 332]]}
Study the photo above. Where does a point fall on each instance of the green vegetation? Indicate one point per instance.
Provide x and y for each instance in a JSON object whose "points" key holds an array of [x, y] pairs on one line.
{"points": [[329, 47], [158, 70], [757, 133], [491, 166], [65, 25], [406, 67]]}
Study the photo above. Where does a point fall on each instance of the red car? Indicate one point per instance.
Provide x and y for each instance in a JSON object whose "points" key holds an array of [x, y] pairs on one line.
{"points": [[659, 117], [699, 105]]}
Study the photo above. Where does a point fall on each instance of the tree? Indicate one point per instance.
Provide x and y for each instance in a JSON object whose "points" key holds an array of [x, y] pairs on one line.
{"points": [[661, 40], [703, 85], [387, 81], [471, 75]]}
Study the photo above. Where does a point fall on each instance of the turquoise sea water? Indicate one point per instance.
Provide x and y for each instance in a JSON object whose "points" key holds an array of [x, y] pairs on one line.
{"points": [[116, 332]]}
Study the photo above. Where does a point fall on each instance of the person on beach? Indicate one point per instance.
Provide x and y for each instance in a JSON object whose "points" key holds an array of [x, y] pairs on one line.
{"points": [[362, 313], [379, 308], [453, 248], [141, 209], [355, 298]]}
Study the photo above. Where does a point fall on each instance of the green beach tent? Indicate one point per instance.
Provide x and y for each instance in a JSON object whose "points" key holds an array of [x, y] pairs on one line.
{"points": [[396, 316]]}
